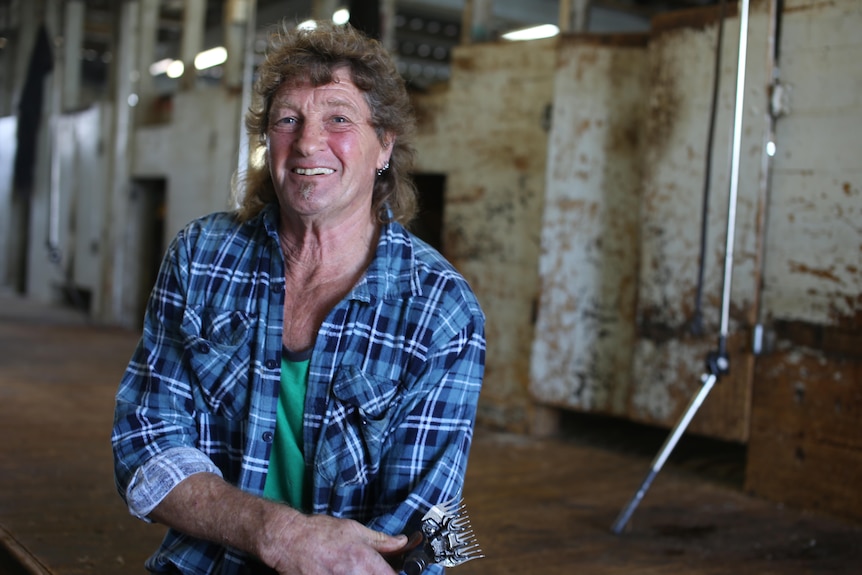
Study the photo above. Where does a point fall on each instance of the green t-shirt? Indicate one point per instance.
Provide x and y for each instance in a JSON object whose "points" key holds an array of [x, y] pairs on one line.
{"points": [[286, 480]]}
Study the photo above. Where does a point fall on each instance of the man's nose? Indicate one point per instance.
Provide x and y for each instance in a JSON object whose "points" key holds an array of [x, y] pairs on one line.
{"points": [[311, 137]]}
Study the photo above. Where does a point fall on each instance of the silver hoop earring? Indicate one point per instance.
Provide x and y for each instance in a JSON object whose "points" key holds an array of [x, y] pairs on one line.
{"points": [[383, 169]]}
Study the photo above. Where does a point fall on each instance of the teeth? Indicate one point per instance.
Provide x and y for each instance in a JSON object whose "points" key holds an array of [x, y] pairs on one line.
{"points": [[313, 171]]}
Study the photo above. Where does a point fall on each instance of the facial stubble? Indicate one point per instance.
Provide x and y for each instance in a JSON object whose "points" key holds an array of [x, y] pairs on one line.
{"points": [[306, 189]]}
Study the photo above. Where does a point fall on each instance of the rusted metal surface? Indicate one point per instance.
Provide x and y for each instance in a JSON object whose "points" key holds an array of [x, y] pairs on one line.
{"points": [[667, 375], [590, 352], [681, 66], [670, 355], [609, 242], [489, 138], [805, 446], [697, 18], [813, 268], [582, 352]]}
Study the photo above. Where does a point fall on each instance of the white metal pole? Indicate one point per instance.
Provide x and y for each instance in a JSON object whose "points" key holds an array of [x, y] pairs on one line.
{"points": [[719, 362]]}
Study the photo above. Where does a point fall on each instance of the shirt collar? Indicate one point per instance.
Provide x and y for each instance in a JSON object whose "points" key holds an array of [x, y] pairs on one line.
{"points": [[392, 273]]}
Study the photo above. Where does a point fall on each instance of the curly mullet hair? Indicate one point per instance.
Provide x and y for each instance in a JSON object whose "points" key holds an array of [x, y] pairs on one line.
{"points": [[295, 56]]}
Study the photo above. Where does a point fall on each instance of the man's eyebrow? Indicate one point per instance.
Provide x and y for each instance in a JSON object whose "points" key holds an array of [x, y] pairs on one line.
{"points": [[341, 103]]}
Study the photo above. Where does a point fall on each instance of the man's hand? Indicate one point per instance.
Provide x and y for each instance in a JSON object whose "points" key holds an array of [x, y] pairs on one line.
{"points": [[323, 545], [204, 506]]}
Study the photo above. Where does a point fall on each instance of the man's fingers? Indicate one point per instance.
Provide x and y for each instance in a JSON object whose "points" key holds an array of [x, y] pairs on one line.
{"points": [[384, 543]]}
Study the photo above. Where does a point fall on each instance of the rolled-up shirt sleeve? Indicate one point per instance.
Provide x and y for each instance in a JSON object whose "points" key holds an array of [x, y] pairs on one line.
{"points": [[152, 482], [155, 434]]}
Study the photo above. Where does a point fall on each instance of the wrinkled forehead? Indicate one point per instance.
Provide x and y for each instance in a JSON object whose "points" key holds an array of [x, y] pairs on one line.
{"points": [[340, 91], [318, 74], [336, 76]]}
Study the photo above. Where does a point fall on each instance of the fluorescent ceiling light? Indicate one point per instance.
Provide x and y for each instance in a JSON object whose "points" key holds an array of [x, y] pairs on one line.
{"points": [[307, 25], [160, 67], [341, 16], [532, 33], [212, 57], [176, 69]]}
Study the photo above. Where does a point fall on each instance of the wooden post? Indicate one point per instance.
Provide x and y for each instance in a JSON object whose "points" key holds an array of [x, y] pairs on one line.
{"points": [[475, 21], [574, 15], [323, 9], [238, 39], [73, 41], [119, 299], [241, 54], [146, 55], [192, 42], [387, 25]]}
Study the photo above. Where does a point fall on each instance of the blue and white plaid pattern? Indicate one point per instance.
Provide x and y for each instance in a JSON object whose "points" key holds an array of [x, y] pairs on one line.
{"points": [[393, 383]]}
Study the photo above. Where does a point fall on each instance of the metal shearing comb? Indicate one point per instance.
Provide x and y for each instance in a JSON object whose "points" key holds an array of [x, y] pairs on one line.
{"points": [[445, 537]]}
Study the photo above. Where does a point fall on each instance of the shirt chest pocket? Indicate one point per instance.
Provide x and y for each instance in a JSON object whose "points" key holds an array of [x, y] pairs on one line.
{"points": [[357, 424], [217, 346]]}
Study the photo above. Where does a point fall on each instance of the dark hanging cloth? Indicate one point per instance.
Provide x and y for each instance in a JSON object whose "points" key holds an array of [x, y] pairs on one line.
{"points": [[30, 111]]}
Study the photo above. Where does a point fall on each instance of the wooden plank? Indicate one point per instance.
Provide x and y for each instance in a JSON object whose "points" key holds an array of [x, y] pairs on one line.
{"points": [[15, 559], [546, 507], [57, 495], [806, 439]]}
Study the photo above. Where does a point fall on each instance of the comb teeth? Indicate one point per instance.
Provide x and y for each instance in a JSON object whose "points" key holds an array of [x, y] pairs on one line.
{"points": [[456, 541]]}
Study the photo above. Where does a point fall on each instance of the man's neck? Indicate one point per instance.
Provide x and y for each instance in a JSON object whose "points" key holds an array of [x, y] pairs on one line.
{"points": [[321, 254]]}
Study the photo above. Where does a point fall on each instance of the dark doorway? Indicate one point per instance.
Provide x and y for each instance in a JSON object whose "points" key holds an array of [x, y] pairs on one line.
{"points": [[150, 195], [428, 224]]}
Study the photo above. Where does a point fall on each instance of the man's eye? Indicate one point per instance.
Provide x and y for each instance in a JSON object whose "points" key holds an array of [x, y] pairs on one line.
{"points": [[286, 123]]}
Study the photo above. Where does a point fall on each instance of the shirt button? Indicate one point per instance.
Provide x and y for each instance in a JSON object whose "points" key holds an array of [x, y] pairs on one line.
{"points": [[267, 436], [203, 347], [276, 287], [271, 364]]}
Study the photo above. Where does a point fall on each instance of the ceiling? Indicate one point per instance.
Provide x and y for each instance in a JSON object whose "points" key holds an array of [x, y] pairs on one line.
{"points": [[425, 30]]}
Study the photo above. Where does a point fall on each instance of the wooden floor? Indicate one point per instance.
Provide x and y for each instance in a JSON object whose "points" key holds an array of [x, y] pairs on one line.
{"points": [[538, 506]]}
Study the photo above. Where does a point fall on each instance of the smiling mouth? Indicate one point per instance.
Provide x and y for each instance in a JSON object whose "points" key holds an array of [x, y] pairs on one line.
{"points": [[313, 171]]}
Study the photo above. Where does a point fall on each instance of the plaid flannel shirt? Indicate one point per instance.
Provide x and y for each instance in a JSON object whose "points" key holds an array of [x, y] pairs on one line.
{"points": [[393, 384]]}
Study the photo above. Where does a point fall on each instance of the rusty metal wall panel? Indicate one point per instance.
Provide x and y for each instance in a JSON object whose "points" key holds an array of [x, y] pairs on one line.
{"points": [[681, 68], [483, 133], [806, 438], [489, 139], [813, 267], [582, 350], [670, 355]]}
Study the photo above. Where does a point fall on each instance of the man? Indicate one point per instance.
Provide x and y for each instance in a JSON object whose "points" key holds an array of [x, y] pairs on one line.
{"points": [[305, 387]]}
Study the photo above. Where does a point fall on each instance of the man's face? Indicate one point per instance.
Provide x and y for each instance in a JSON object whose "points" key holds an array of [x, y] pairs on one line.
{"points": [[323, 152]]}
